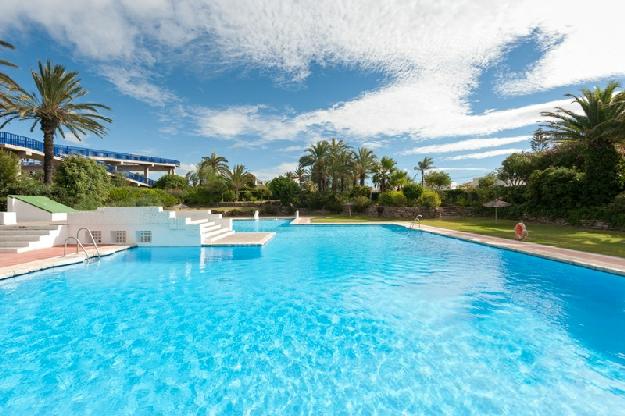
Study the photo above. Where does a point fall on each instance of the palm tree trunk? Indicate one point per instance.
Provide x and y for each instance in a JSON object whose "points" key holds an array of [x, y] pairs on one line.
{"points": [[362, 180], [48, 150], [422, 178]]}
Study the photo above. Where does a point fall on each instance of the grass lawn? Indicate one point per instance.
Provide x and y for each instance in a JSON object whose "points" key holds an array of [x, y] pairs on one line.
{"points": [[611, 243]]}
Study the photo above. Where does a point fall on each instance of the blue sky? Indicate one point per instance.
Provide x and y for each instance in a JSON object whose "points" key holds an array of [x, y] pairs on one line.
{"points": [[257, 81]]}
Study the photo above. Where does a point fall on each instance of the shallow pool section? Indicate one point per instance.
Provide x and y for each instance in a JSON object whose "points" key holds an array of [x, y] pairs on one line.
{"points": [[324, 319]]}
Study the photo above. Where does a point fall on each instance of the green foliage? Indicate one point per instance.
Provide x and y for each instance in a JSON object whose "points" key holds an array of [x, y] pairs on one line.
{"points": [[81, 183], [555, 189], [9, 171], [429, 199], [171, 182], [360, 190], [284, 189], [361, 203], [438, 179], [202, 196], [517, 168], [393, 199], [413, 191], [334, 203], [130, 196], [603, 180], [118, 180], [228, 196]]}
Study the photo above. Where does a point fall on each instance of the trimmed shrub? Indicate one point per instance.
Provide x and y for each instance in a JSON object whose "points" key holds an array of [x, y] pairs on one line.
{"points": [[81, 183], [393, 199], [171, 182], [228, 196], [129, 196], [429, 199], [334, 203], [413, 191], [360, 190], [9, 171], [555, 189], [284, 189], [361, 203]]}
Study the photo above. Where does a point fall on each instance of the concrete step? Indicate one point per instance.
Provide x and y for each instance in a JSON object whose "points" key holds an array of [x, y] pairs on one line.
{"points": [[13, 249], [14, 243], [24, 232], [38, 227], [214, 227], [21, 237], [220, 236]]}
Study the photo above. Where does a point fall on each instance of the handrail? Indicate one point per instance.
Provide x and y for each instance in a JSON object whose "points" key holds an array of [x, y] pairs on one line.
{"points": [[78, 244], [416, 221], [60, 150], [92, 239]]}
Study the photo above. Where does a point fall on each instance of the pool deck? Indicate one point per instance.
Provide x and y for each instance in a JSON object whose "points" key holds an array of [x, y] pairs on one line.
{"points": [[610, 264], [12, 264], [242, 239]]}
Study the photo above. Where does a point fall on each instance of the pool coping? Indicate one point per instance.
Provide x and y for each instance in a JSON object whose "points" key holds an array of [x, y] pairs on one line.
{"points": [[8, 272], [600, 262]]}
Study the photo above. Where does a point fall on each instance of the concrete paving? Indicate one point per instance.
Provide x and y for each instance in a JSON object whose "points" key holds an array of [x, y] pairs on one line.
{"points": [[243, 239], [12, 264]]}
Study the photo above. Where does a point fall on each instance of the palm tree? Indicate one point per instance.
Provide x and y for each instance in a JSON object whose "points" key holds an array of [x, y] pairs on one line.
{"points": [[238, 178], [301, 174], [53, 107], [424, 165], [316, 158], [599, 126], [383, 172], [6, 82], [214, 164], [364, 164], [339, 163]]}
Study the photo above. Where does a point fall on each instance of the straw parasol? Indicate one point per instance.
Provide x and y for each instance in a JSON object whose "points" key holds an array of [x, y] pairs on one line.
{"points": [[496, 203]]}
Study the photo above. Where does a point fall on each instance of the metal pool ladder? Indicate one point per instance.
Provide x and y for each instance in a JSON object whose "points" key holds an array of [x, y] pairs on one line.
{"points": [[79, 244], [416, 222]]}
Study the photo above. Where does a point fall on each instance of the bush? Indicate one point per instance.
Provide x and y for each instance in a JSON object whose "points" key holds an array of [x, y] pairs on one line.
{"points": [[201, 196], [361, 203], [9, 171], [393, 199], [284, 189], [360, 190], [228, 196], [555, 189], [334, 203], [171, 182], [413, 191], [81, 183], [129, 196], [429, 199]]}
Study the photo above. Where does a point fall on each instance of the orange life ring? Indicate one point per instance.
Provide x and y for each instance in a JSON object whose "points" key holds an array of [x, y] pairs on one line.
{"points": [[519, 230]]}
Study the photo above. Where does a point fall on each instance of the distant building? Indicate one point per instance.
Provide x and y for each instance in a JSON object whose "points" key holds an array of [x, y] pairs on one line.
{"points": [[135, 168]]}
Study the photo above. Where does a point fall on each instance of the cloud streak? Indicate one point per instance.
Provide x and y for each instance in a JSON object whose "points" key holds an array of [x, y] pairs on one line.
{"points": [[484, 155]]}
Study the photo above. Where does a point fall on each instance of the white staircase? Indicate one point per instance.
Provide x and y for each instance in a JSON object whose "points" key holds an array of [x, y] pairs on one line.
{"points": [[26, 237], [212, 232]]}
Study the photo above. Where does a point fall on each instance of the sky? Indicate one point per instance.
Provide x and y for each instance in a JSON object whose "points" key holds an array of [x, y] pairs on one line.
{"points": [[257, 81]]}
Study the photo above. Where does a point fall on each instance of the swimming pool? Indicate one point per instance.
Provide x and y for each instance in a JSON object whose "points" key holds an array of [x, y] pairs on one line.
{"points": [[322, 320]]}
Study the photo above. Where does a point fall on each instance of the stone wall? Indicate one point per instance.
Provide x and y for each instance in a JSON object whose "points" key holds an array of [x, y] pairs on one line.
{"points": [[401, 212]]}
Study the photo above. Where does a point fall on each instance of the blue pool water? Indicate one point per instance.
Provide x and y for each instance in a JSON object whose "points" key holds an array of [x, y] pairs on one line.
{"points": [[322, 320]]}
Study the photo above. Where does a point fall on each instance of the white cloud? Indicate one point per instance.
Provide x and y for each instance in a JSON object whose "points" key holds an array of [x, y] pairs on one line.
{"points": [[484, 155], [471, 144], [431, 54], [274, 171], [186, 167], [456, 169], [135, 83]]}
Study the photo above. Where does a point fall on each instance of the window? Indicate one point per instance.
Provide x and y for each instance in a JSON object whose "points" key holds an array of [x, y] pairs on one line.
{"points": [[144, 236], [97, 236], [119, 237]]}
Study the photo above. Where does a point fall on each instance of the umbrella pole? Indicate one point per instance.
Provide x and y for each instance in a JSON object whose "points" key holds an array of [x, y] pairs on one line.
{"points": [[495, 215]]}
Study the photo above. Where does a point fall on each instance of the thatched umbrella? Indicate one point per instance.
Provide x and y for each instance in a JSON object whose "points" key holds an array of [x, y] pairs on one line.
{"points": [[497, 203]]}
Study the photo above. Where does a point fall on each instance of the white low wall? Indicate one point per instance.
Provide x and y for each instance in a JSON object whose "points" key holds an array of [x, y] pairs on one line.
{"points": [[28, 213], [164, 227], [8, 218]]}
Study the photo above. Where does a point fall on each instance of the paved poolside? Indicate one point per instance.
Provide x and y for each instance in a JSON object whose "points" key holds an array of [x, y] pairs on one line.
{"points": [[601, 262], [14, 264]]}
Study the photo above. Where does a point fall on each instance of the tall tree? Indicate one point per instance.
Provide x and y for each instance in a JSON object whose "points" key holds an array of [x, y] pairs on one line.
{"points": [[339, 161], [540, 142], [364, 164], [213, 165], [383, 172], [598, 127], [238, 178], [54, 107], [316, 158], [7, 84], [424, 165]]}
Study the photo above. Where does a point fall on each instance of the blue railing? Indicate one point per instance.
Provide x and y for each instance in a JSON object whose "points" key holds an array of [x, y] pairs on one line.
{"points": [[61, 150], [129, 175]]}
